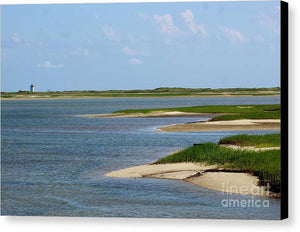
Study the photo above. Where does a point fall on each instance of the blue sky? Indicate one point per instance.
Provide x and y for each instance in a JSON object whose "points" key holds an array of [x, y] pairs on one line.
{"points": [[140, 46]]}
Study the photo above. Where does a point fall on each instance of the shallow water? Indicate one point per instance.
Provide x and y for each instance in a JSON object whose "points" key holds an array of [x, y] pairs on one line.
{"points": [[53, 162]]}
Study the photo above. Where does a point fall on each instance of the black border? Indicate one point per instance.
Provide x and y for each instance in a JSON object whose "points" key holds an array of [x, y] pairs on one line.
{"points": [[284, 107]]}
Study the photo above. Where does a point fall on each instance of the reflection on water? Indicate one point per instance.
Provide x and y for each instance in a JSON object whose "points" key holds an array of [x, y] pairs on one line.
{"points": [[53, 162]]}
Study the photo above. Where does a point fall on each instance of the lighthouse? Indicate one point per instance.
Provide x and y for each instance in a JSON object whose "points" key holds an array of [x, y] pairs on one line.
{"points": [[32, 88]]}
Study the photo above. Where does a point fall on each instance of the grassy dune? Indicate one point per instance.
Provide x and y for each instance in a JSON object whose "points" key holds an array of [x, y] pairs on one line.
{"points": [[229, 112], [264, 164]]}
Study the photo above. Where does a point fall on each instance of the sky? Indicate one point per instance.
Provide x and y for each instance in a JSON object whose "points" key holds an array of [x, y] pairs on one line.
{"points": [[140, 46]]}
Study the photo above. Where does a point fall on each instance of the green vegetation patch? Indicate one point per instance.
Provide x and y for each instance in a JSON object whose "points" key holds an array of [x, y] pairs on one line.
{"points": [[267, 140], [264, 164], [229, 112]]}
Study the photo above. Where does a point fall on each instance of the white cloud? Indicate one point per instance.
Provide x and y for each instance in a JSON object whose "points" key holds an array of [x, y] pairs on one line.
{"points": [[132, 52], [47, 64], [81, 52], [15, 38], [166, 24], [110, 33], [135, 61], [233, 35], [188, 17], [270, 23]]}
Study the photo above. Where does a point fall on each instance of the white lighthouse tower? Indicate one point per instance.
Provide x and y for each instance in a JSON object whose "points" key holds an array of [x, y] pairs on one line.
{"points": [[32, 88]]}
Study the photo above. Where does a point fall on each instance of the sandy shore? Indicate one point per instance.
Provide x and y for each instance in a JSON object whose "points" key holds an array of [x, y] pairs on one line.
{"points": [[206, 176], [177, 171], [147, 115], [232, 125]]}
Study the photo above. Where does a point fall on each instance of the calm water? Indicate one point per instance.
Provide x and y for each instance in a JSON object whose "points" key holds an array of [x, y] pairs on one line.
{"points": [[53, 163]]}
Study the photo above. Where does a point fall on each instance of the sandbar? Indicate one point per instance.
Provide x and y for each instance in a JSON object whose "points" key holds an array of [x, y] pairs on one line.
{"points": [[230, 125], [147, 115]]}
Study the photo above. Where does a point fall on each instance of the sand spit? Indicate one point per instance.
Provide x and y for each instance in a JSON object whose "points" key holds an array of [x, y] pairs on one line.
{"points": [[206, 176], [179, 170], [230, 125], [147, 115]]}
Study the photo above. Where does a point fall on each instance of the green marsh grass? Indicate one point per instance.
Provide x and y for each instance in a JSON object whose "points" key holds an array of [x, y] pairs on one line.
{"points": [[267, 140], [229, 112]]}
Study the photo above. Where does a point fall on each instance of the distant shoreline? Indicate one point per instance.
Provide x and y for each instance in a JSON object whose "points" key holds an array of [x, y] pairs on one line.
{"points": [[143, 93], [104, 97]]}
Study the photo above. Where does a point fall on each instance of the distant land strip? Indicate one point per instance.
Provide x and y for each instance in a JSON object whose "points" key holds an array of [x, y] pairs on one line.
{"points": [[158, 92]]}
